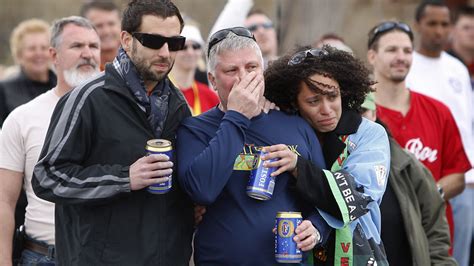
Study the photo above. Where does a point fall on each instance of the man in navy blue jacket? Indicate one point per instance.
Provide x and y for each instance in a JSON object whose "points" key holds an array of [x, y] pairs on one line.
{"points": [[237, 229]]}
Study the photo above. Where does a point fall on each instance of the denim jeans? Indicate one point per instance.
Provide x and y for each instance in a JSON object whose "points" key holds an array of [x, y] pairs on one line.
{"points": [[31, 258], [463, 225]]}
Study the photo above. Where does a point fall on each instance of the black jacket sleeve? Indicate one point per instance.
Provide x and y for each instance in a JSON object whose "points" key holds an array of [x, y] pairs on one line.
{"points": [[60, 176], [312, 184]]}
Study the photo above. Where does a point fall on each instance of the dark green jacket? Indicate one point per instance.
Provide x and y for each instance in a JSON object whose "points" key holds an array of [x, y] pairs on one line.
{"points": [[422, 208]]}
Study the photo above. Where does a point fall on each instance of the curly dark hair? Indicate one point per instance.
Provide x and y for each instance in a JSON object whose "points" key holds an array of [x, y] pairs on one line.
{"points": [[283, 81]]}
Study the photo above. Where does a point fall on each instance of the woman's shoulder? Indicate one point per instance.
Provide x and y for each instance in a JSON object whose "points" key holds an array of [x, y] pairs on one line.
{"points": [[368, 128]]}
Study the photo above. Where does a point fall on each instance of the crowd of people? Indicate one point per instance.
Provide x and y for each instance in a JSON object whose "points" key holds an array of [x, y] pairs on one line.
{"points": [[376, 156]]}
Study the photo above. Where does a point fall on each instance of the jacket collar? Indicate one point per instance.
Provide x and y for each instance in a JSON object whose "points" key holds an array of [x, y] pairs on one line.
{"points": [[332, 145], [399, 158], [50, 83], [115, 82]]}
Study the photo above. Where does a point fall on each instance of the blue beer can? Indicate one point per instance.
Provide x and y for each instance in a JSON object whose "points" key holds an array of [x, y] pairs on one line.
{"points": [[286, 250], [160, 146], [261, 183]]}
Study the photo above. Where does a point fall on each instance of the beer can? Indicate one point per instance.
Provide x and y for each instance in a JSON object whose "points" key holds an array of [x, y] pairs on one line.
{"points": [[261, 183], [160, 146], [286, 250]]}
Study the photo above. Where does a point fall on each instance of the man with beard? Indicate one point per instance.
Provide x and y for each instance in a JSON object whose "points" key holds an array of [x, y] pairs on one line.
{"points": [[94, 165], [75, 50], [29, 43], [105, 16], [420, 124]]}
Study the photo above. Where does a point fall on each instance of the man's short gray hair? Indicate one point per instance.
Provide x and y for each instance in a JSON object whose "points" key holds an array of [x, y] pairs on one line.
{"points": [[232, 42], [58, 27]]}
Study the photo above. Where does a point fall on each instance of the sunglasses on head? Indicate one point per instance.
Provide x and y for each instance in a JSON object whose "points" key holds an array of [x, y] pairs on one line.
{"points": [[266, 25], [388, 26], [194, 45], [299, 57], [156, 41], [222, 34]]}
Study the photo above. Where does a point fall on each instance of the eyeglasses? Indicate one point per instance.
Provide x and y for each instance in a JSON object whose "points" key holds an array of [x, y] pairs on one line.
{"points": [[222, 34], [266, 25], [195, 46], [156, 41], [299, 57], [388, 26]]}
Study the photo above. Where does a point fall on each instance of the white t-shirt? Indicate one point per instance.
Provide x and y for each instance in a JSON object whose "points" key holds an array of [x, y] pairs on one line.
{"points": [[447, 79], [22, 138]]}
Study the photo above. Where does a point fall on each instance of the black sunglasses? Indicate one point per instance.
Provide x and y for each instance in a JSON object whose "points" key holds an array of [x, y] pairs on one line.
{"points": [[388, 26], [222, 34], [156, 41], [194, 45], [299, 57], [266, 25]]}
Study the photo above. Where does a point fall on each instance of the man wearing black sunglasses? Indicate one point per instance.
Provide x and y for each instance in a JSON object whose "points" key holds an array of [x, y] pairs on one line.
{"points": [[426, 128], [210, 147], [94, 163]]}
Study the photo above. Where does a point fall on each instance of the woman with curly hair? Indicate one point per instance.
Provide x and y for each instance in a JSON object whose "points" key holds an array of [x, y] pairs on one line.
{"points": [[327, 87]]}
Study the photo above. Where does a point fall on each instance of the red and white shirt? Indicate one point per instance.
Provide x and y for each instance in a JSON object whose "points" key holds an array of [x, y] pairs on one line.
{"points": [[429, 132]]}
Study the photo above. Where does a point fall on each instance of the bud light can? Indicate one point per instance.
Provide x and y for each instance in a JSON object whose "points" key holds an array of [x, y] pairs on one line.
{"points": [[261, 183], [286, 250], [160, 146]]}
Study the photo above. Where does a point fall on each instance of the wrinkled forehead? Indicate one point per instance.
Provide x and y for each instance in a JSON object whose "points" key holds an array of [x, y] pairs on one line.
{"points": [[73, 34], [234, 55], [395, 37]]}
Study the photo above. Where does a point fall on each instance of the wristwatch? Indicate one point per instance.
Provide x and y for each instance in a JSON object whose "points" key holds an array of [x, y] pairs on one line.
{"points": [[440, 190]]}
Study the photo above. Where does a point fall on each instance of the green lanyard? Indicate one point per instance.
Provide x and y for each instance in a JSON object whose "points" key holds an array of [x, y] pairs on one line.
{"points": [[343, 245]]}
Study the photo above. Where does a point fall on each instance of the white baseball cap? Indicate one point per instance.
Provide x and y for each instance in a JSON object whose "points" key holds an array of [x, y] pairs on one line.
{"points": [[192, 33]]}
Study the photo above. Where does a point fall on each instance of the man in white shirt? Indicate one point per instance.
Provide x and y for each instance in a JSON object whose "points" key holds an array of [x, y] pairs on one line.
{"points": [[75, 50], [443, 77]]}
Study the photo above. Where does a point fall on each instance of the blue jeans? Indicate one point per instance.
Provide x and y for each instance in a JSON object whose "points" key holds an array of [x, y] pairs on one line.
{"points": [[463, 225], [31, 258]]}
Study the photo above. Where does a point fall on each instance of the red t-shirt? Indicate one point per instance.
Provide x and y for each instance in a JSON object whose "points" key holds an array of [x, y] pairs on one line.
{"points": [[429, 132], [207, 98]]}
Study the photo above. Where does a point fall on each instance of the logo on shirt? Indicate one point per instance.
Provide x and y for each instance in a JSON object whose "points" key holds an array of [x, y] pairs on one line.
{"points": [[351, 146], [380, 173], [421, 152], [248, 159]]}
